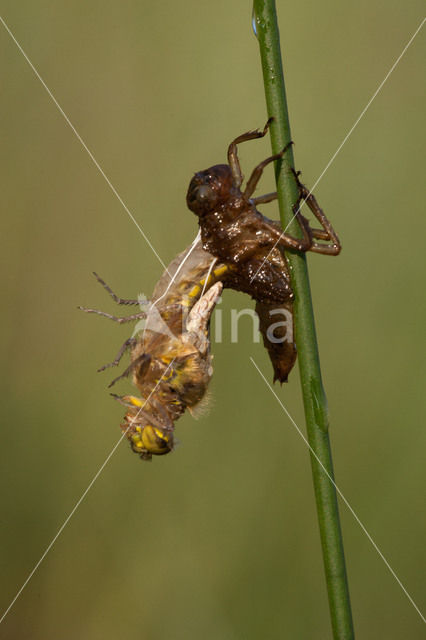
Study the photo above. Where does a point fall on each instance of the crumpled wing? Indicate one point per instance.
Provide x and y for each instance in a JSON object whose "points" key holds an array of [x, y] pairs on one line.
{"points": [[198, 322]]}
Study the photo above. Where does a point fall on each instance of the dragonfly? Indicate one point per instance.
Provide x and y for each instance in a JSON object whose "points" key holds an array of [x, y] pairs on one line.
{"points": [[170, 356]]}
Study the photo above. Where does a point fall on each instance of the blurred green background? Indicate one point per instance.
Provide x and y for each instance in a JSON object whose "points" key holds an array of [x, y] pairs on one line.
{"points": [[218, 540]]}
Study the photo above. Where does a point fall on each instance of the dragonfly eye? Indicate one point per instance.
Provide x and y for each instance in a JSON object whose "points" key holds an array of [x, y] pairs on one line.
{"points": [[156, 441], [204, 193], [201, 198]]}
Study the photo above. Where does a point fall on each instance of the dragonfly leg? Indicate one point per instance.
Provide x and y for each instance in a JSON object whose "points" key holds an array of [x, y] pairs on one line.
{"points": [[257, 171], [119, 355], [268, 197], [143, 358], [120, 320], [116, 298], [327, 232], [233, 160]]}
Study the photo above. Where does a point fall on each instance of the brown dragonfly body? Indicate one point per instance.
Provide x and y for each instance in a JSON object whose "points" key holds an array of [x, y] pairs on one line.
{"points": [[252, 246]]}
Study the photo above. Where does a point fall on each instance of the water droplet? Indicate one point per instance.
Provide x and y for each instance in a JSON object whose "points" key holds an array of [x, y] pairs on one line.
{"points": [[253, 22], [257, 23]]}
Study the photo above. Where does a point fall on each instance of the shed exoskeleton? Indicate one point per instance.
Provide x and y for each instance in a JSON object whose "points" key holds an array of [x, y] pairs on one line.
{"points": [[252, 246]]}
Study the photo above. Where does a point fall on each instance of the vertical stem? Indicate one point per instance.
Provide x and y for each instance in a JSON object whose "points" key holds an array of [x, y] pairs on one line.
{"points": [[314, 399]]}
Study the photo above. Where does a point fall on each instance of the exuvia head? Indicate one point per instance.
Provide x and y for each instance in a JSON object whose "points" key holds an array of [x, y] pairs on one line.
{"points": [[210, 188]]}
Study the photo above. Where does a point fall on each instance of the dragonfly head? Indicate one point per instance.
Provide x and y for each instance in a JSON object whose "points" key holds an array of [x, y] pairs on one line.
{"points": [[149, 441], [145, 439]]}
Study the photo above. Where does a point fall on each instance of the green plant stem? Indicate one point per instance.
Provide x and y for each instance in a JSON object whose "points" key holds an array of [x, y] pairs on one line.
{"points": [[314, 399]]}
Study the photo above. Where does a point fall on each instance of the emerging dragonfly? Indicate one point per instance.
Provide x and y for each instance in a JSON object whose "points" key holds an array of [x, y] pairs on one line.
{"points": [[237, 247], [171, 364], [252, 246]]}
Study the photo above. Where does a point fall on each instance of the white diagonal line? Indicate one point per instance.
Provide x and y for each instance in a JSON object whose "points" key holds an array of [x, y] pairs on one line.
{"points": [[345, 139], [355, 124], [80, 500], [84, 145], [299, 431]]}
